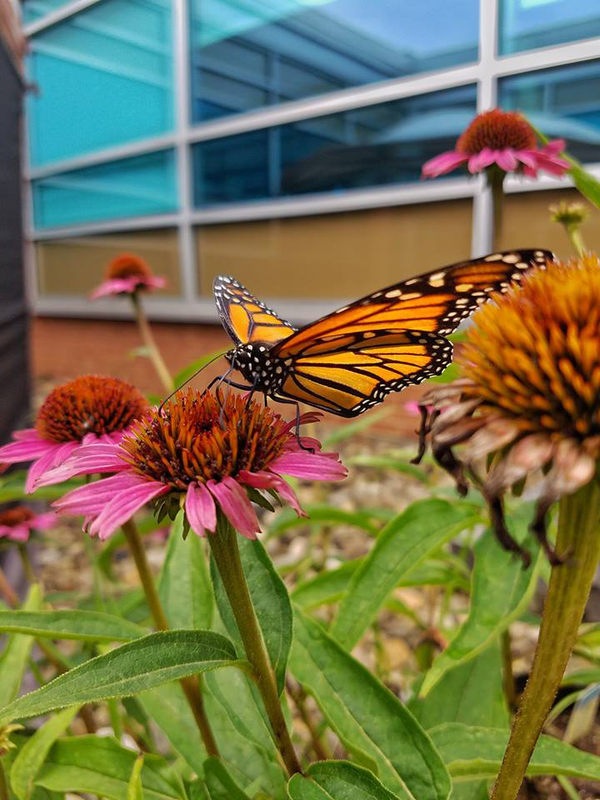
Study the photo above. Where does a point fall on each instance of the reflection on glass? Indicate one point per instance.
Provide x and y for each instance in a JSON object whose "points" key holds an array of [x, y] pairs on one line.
{"points": [[563, 102], [252, 53], [130, 187], [528, 24], [372, 146], [104, 78]]}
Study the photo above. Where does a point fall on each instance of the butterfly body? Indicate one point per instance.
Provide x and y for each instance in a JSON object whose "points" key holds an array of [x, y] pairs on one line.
{"points": [[350, 360]]}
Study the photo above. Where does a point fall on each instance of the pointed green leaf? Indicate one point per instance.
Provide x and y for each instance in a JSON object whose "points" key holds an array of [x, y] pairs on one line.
{"points": [[13, 660], [326, 515], [337, 780], [271, 603], [188, 372], [401, 545], [32, 755], [500, 591], [129, 669], [135, 790], [219, 783], [326, 587], [89, 626], [185, 589], [473, 753], [366, 716]]}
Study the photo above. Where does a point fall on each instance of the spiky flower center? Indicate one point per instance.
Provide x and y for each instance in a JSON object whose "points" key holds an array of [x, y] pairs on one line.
{"points": [[534, 354], [89, 404], [15, 516], [497, 130], [195, 438], [128, 265]]}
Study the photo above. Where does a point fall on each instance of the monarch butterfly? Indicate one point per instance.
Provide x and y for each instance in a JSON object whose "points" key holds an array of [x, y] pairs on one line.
{"points": [[349, 360]]}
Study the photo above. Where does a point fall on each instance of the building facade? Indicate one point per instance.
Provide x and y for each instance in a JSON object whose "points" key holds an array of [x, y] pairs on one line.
{"points": [[281, 141]]}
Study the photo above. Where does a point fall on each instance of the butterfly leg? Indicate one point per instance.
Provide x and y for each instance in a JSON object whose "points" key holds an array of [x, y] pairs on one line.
{"points": [[295, 403]]}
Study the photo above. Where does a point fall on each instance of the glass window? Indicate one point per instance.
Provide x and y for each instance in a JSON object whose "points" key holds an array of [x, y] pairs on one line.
{"points": [[75, 266], [528, 24], [36, 9], [251, 53], [372, 146], [104, 78], [560, 102], [129, 187]]}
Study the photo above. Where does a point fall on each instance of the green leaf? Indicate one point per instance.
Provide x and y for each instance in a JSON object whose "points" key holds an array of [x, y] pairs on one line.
{"points": [[471, 693], [89, 626], [386, 462], [135, 790], [100, 766], [326, 587], [271, 603], [401, 545], [337, 780], [500, 591], [366, 716], [219, 783], [586, 183], [33, 753], [15, 656], [187, 372], [185, 589], [472, 753], [129, 669], [326, 515], [168, 707]]}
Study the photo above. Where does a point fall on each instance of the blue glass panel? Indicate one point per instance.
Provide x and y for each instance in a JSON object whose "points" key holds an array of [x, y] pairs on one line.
{"points": [[252, 53], [104, 78], [528, 24], [561, 102], [372, 146], [129, 187]]}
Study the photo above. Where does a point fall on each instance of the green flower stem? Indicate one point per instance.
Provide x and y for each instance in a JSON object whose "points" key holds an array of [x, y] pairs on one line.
{"points": [[7, 591], [578, 542], [4, 795], [496, 177], [574, 234], [147, 337], [224, 546], [190, 686]]}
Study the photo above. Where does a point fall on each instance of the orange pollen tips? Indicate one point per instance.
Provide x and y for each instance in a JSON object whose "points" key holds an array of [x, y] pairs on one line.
{"points": [[534, 354], [89, 404], [15, 516], [497, 130], [197, 438], [128, 265]]}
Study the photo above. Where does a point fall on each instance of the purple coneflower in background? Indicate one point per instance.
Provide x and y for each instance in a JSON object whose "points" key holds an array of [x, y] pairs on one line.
{"points": [[17, 523], [127, 274], [204, 455]]}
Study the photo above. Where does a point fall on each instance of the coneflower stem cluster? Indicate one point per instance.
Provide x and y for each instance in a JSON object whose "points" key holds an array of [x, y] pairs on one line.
{"points": [[150, 344], [224, 547], [190, 686], [578, 542]]}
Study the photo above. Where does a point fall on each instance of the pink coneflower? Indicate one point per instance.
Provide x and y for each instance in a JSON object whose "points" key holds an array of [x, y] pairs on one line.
{"points": [[17, 523], [127, 274], [504, 139], [199, 454], [88, 409]]}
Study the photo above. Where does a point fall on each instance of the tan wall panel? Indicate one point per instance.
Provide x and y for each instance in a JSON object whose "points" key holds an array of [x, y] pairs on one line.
{"points": [[527, 223], [75, 266], [335, 255]]}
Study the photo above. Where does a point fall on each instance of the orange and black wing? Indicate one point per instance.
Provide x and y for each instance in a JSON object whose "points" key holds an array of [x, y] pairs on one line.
{"points": [[352, 372], [436, 302], [245, 318]]}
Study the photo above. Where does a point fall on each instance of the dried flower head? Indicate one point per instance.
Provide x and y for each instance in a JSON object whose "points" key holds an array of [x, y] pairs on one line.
{"points": [[529, 393], [128, 274], [569, 214], [89, 408], [199, 453], [5, 742]]}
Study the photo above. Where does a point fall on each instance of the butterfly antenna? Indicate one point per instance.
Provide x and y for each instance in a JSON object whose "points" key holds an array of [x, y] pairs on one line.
{"points": [[191, 378]]}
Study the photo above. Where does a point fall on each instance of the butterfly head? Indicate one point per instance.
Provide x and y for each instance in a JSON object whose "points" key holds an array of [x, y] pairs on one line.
{"points": [[255, 362]]}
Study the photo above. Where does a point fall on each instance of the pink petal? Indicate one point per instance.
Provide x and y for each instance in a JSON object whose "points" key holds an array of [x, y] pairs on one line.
{"points": [[26, 448], [27, 433], [481, 160], [200, 509], [47, 462], [527, 157], [554, 147], [114, 286], [87, 460], [312, 466], [553, 164], [124, 505], [443, 163], [309, 416], [44, 522], [5, 530], [236, 506], [92, 498], [154, 282], [19, 533], [507, 160], [269, 480]]}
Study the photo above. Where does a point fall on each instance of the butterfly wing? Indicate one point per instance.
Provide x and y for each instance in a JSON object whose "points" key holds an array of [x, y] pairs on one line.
{"points": [[245, 318], [436, 302], [353, 372]]}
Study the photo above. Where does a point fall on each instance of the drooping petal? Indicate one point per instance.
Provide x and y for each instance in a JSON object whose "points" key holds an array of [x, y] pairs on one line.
{"points": [[200, 509], [481, 160], [312, 466], [236, 506], [87, 460], [19, 533], [114, 286], [43, 522], [530, 453], [124, 505], [47, 462], [445, 162], [554, 147], [506, 159], [494, 435], [304, 419], [26, 448], [154, 282], [268, 480], [91, 499]]}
